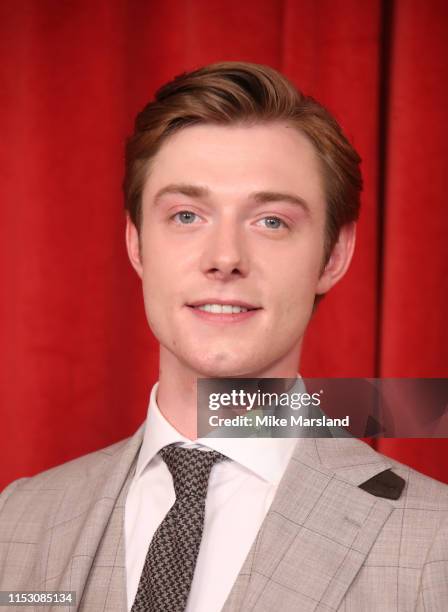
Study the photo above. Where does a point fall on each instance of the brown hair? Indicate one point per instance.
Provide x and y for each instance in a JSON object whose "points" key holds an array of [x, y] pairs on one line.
{"points": [[240, 92]]}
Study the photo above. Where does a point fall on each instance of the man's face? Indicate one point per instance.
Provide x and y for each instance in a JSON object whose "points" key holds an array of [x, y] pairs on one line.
{"points": [[222, 232]]}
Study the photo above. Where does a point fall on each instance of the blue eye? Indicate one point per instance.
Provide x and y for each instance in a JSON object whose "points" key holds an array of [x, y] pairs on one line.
{"points": [[275, 222], [186, 217]]}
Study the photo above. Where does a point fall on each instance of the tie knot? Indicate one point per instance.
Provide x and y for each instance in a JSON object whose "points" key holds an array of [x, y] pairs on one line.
{"points": [[190, 469]]}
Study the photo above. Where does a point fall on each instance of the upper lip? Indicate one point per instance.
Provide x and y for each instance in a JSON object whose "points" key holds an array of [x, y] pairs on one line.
{"points": [[228, 302]]}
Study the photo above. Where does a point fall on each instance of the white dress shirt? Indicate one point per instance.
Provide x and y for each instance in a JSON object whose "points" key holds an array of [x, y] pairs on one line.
{"points": [[239, 494]]}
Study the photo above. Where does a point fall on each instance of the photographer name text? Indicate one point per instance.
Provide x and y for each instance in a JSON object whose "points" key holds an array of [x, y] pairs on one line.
{"points": [[270, 420]]}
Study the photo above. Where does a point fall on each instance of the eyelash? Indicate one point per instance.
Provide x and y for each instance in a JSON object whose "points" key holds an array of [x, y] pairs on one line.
{"points": [[284, 224]]}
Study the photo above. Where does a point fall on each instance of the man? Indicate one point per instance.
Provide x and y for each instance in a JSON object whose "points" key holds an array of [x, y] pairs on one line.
{"points": [[242, 196]]}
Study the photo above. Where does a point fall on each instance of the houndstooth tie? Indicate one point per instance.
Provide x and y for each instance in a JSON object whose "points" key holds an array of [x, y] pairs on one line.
{"points": [[171, 558]]}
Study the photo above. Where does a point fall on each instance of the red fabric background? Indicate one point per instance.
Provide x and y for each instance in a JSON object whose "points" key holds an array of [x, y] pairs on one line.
{"points": [[77, 359]]}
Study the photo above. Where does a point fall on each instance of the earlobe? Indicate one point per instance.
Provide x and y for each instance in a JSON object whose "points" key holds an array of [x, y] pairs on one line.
{"points": [[133, 246], [340, 259]]}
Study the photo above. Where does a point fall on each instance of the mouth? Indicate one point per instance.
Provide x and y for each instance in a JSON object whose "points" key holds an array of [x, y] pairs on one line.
{"points": [[219, 311]]}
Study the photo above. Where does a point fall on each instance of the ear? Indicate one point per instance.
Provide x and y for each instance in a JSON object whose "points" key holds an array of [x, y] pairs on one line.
{"points": [[340, 259], [133, 246]]}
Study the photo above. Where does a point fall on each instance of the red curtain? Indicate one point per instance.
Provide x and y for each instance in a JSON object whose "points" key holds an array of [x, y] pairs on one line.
{"points": [[77, 359]]}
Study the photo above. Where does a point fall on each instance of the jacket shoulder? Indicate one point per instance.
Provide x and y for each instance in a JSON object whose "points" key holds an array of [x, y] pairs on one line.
{"points": [[414, 541], [73, 472], [70, 503], [421, 492]]}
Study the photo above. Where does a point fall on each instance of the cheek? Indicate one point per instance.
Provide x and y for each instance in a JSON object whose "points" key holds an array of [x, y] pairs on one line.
{"points": [[154, 287], [163, 276], [294, 290], [295, 311], [296, 278], [159, 264]]}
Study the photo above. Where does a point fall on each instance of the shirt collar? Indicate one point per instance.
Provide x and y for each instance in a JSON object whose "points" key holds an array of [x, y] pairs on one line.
{"points": [[266, 457]]}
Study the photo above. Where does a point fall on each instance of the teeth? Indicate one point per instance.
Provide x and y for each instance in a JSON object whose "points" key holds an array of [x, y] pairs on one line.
{"points": [[222, 308]]}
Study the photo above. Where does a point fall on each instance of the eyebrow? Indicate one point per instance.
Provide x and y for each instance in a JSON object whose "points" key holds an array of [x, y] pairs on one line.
{"points": [[261, 197]]}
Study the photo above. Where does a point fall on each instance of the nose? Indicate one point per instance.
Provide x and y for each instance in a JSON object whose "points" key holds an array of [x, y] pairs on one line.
{"points": [[225, 255]]}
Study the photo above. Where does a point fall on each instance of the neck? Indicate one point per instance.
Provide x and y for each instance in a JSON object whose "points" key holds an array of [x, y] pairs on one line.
{"points": [[177, 391]]}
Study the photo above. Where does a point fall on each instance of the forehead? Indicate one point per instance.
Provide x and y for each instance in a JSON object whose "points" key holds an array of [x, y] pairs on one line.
{"points": [[232, 160]]}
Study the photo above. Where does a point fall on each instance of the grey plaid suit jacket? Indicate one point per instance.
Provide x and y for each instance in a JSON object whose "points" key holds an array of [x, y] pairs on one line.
{"points": [[333, 539]]}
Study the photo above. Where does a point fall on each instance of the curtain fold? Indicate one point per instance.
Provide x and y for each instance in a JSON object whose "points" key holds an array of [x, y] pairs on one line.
{"points": [[77, 359]]}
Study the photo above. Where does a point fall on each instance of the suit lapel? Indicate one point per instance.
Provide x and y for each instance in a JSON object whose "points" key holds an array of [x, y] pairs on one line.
{"points": [[105, 586], [317, 533], [84, 550]]}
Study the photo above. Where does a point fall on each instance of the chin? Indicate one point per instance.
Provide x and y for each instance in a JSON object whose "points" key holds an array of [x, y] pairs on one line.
{"points": [[223, 365]]}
